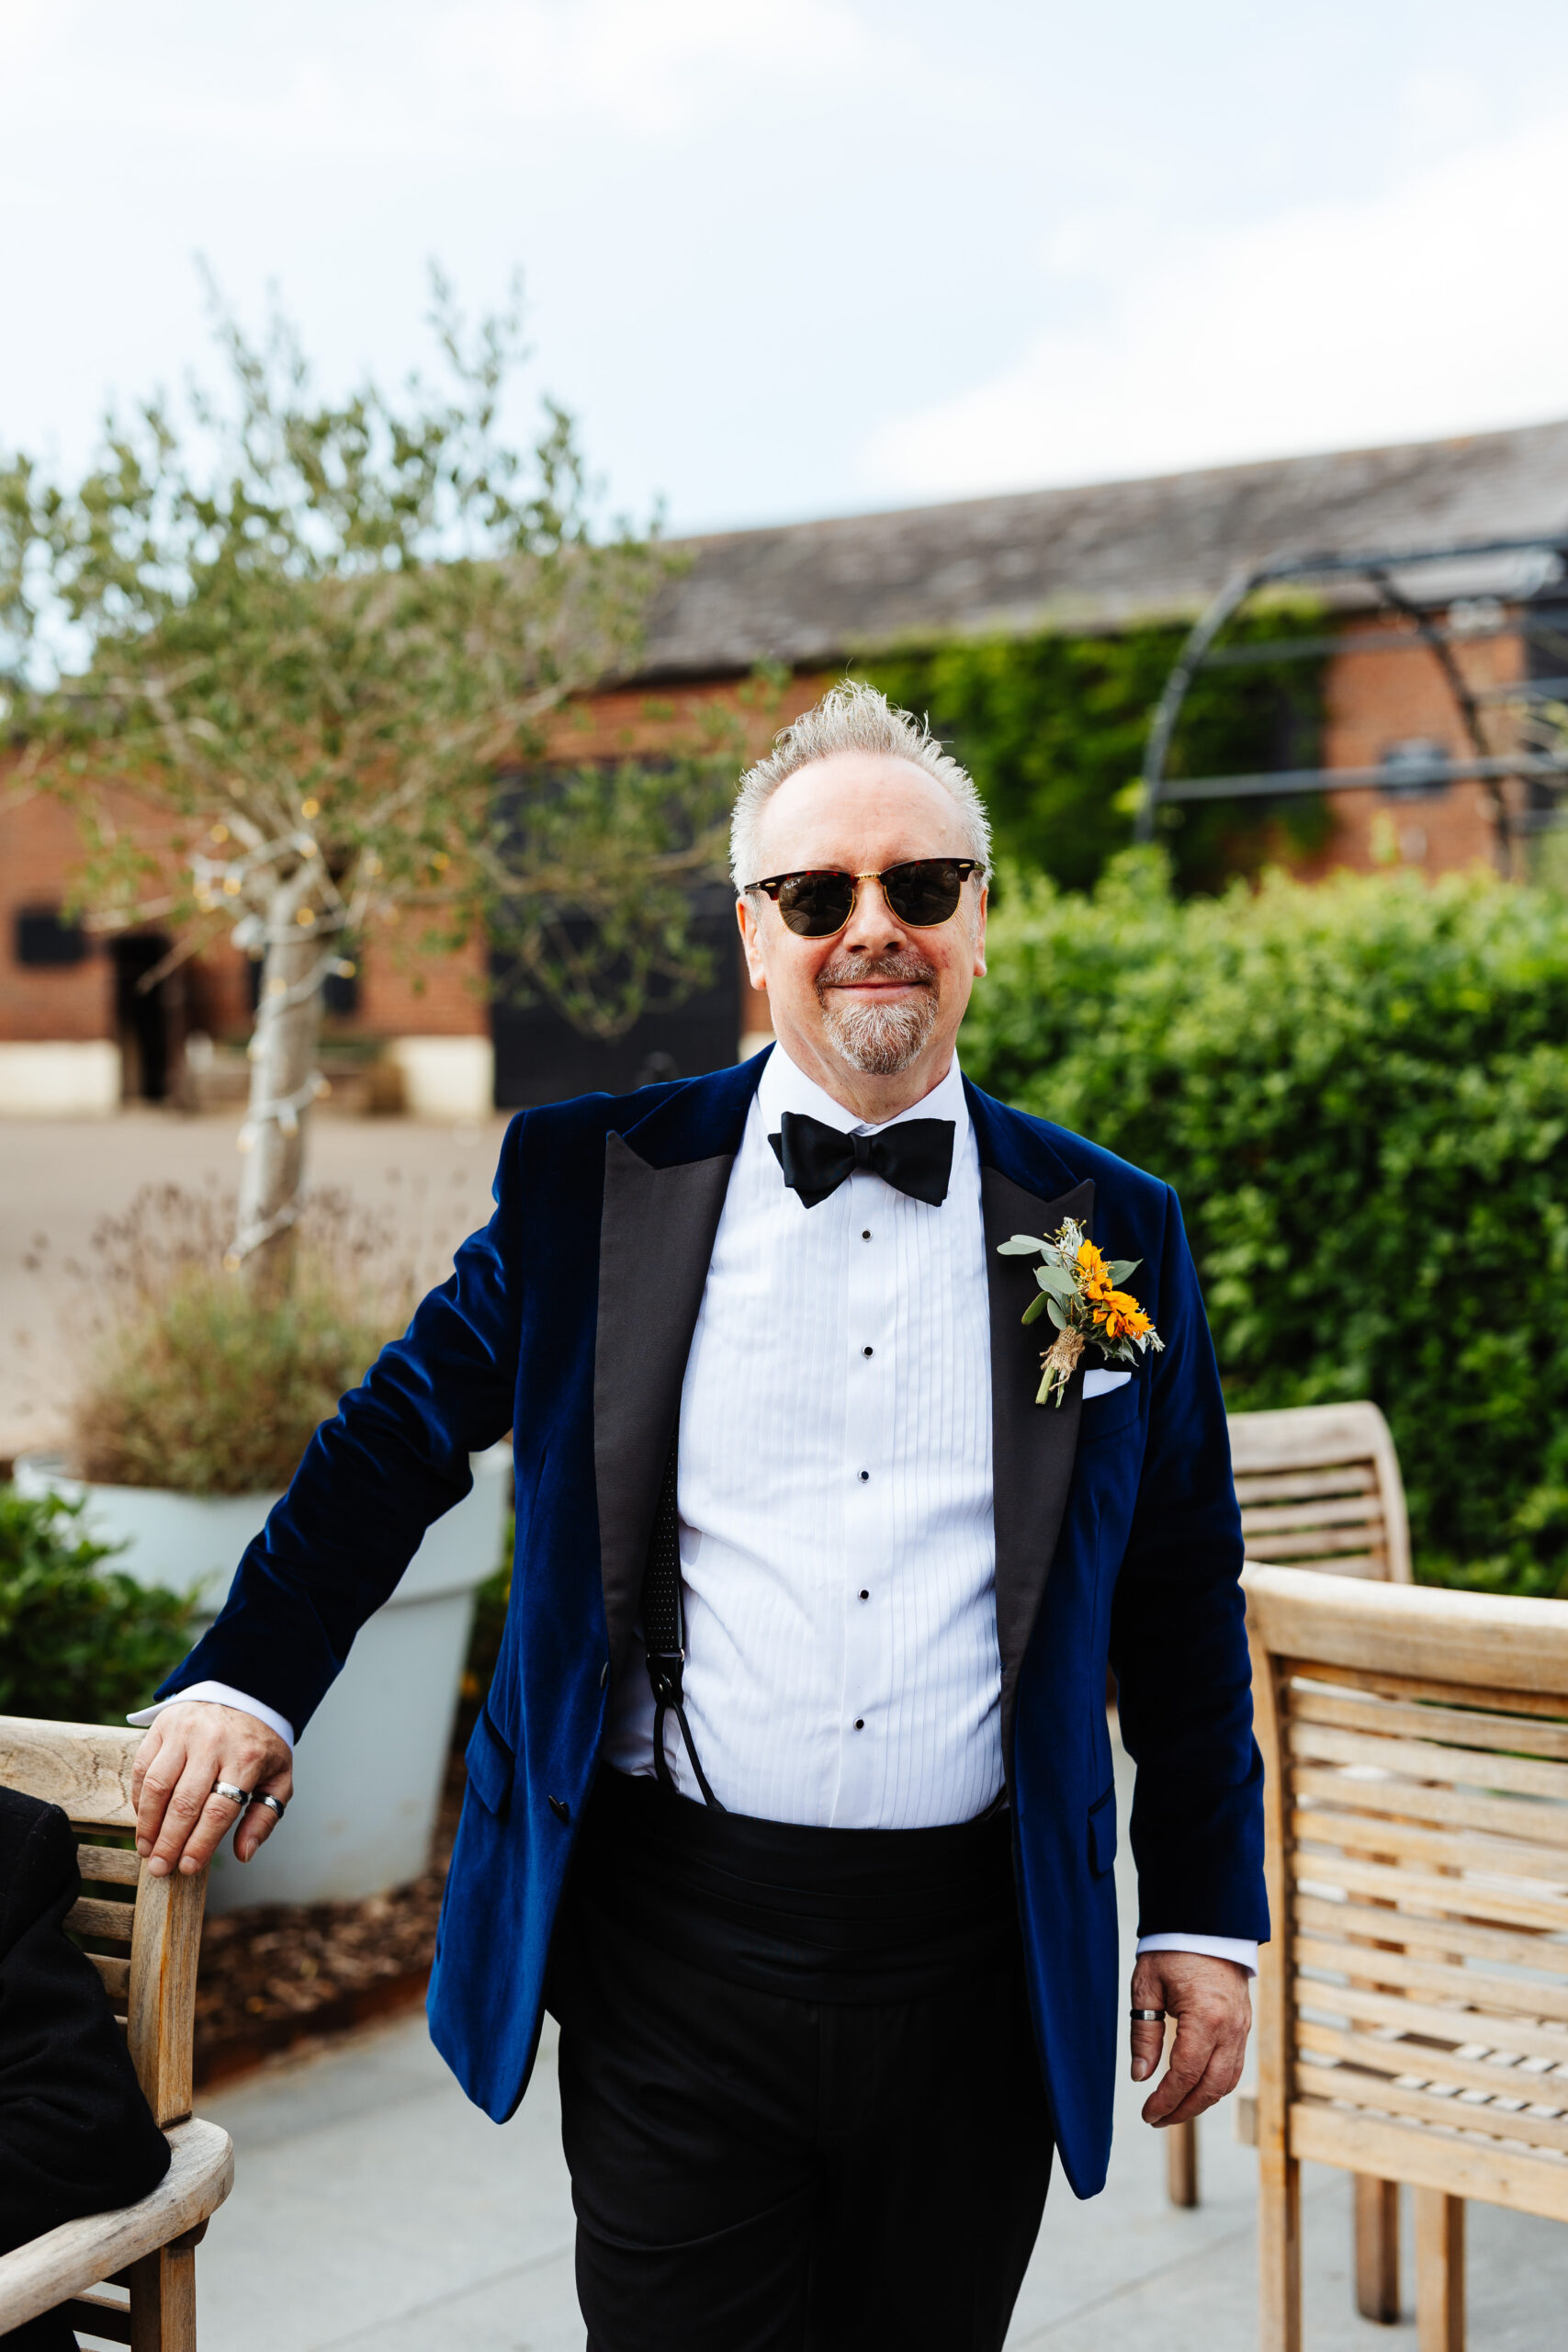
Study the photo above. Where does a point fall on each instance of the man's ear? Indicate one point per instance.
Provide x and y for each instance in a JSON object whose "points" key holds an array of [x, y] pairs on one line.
{"points": [[751, 940], [980, 935]]}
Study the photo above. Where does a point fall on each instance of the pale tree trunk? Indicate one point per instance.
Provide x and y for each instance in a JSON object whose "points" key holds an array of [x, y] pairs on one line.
{"points": [[284, 1082]]}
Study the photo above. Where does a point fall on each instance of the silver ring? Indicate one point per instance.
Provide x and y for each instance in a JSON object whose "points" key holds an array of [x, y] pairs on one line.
{"points": [[233, 1796], [1146, 2017], [274, 1805]]}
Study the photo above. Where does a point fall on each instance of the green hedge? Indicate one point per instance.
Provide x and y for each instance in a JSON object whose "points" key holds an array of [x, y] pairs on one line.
{"points": [[1360, 1091], [79, 1642]]}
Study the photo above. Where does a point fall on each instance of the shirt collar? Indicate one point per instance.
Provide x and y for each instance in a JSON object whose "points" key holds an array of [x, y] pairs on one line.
{"points": [[785, 1087]]}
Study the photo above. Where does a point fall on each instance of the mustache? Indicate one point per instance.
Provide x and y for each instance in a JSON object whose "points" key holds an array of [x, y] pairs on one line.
{"points": [[905, 964]]}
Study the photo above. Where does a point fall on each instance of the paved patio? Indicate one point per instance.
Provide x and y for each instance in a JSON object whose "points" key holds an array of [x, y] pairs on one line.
{"points": [[373, 2206]]}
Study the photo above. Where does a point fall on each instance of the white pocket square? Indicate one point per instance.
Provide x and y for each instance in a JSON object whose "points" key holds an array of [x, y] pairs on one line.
{"points": [[1100, 1383]]}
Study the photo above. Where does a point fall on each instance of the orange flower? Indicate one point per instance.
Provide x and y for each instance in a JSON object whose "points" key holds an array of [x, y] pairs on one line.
{"points": [[1096, 1274], [1121, 1316]]}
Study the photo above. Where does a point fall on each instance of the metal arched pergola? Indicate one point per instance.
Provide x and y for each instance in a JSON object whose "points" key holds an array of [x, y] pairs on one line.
{"points": [[1518, 611]]}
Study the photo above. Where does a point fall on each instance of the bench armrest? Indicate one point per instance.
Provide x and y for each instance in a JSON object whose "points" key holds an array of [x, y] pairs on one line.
{"points": [[65, 2261]]}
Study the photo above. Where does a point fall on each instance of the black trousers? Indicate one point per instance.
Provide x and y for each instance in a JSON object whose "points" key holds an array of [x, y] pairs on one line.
{"points": [[757, 2169]]}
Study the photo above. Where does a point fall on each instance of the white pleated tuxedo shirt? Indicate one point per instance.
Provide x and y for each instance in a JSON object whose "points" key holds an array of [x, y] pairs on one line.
{"points": [[838, 1548], [837, 1552]]}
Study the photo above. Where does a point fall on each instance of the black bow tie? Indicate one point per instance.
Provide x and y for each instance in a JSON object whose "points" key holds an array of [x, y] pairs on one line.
{"points": [[916, 1156]]}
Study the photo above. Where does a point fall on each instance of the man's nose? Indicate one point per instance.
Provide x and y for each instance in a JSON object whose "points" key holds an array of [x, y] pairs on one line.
{"points": [[873, 924]]}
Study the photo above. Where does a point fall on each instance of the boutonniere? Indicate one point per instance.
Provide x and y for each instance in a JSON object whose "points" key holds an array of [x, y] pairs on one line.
{"points": [[1078, 1292]]}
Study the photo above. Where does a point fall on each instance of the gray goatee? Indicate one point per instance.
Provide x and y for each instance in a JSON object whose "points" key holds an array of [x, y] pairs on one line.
{"points": [[873, 1036]]}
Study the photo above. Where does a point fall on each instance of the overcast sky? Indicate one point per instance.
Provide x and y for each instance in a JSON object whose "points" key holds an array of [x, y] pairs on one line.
{"points": [[794, 257]]}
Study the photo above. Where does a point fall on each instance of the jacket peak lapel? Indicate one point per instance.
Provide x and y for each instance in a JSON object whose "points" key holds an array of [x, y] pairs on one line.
{"points": [[656, 1237], [1033, 1447]]}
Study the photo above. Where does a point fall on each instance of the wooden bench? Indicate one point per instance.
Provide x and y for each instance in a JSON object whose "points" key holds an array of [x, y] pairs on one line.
{"points": [[1319, 1487], [1412, 2003], [126, 2277]]}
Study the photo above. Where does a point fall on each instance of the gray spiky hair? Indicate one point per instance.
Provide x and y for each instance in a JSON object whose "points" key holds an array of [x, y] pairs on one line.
{"points": [[853, 717]]}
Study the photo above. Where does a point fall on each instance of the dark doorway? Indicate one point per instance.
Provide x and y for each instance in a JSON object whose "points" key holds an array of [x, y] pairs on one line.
{"points": [[539, 1057], [143, 1016]]}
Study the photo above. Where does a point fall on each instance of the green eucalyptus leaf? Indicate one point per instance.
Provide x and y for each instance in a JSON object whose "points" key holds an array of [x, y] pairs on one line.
{"points": [[1035, 1308], [1120, 1268], [1020, 1246], [1054, 1312], [1058, 1282]]}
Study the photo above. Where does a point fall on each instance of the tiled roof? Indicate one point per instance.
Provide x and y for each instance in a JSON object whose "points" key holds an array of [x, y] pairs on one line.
{"points": [[1101, 556]]}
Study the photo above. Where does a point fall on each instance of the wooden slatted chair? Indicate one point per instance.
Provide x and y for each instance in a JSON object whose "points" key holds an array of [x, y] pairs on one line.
{"points": [[126, 2277], [1319, 1487], [1413, 2004]]}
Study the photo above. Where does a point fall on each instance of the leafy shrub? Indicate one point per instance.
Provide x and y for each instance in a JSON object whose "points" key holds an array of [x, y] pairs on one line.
{"points": [[78, 1644], [194, 1382], [1360, 1091]]}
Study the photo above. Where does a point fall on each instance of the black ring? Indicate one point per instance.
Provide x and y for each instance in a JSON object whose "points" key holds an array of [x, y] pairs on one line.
{"points": [[279, 1805], [1146, 2017]]}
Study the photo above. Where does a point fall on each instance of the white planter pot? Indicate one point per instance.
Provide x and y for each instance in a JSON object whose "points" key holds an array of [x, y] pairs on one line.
{"points": [[370, 1764]]}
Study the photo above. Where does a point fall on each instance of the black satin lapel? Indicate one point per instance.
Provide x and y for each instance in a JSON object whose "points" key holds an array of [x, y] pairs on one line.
{"points": [[656, 1237], [1033, 1446]]}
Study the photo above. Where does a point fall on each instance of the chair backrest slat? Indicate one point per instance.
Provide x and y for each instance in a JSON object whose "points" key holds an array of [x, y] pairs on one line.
{"points": [[116, 1976], [113, 1921], [108, 1865], [1414, 2004], [83, 1768], [1319, 1487]]}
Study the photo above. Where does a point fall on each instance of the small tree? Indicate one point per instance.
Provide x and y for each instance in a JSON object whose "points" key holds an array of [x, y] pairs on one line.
{"points": [[299, 641]]}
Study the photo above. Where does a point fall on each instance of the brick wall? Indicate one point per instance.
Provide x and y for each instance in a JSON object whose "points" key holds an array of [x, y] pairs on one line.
{"points": [[427, 996], [1373, 699], [38, 851]]}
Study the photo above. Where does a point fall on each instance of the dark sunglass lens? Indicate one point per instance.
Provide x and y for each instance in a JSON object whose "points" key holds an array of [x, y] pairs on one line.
{"points": [[816, 905], [925, 892]]}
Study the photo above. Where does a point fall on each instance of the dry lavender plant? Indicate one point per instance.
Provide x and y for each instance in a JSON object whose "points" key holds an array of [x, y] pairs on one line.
{"points": [[194, 1381]]}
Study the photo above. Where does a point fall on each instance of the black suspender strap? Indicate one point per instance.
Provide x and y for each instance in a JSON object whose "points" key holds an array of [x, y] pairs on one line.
{"points": [[664, 1631]]}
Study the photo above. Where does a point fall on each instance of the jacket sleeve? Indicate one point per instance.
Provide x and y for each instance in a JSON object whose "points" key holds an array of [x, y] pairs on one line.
{"points": [[1179, 1642], [373, 1480], [76, 2135]]}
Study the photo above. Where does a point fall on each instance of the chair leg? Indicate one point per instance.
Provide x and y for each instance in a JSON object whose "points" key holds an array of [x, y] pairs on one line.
{"points": [[1377, 2248], [1440, 2271], [162, 2298], [1182, 2163], [1279, 2254]]}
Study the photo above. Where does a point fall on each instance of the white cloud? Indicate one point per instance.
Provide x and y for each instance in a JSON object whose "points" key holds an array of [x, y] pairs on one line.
{"points": [[1437, 308], [643, 67], [404, 80]]}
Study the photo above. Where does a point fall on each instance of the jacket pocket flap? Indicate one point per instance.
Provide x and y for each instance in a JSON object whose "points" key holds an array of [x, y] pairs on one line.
{"points": [[490, 1766], [1103, 1832]]}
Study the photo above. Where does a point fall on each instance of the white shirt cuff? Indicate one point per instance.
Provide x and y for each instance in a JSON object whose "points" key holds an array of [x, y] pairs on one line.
{"points": [[223, 1694], [1237, 1948]]}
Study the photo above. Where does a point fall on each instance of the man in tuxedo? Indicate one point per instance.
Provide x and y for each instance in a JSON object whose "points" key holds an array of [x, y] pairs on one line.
{"points": [[793, 1796]]}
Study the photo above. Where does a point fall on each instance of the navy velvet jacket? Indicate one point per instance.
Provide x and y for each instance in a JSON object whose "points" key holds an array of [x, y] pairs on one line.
{"points": [[568, 1321]]}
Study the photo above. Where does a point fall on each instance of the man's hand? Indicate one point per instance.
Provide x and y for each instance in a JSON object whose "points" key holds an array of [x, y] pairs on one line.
{"points": [[1212, 2003], [180, 1819]]}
